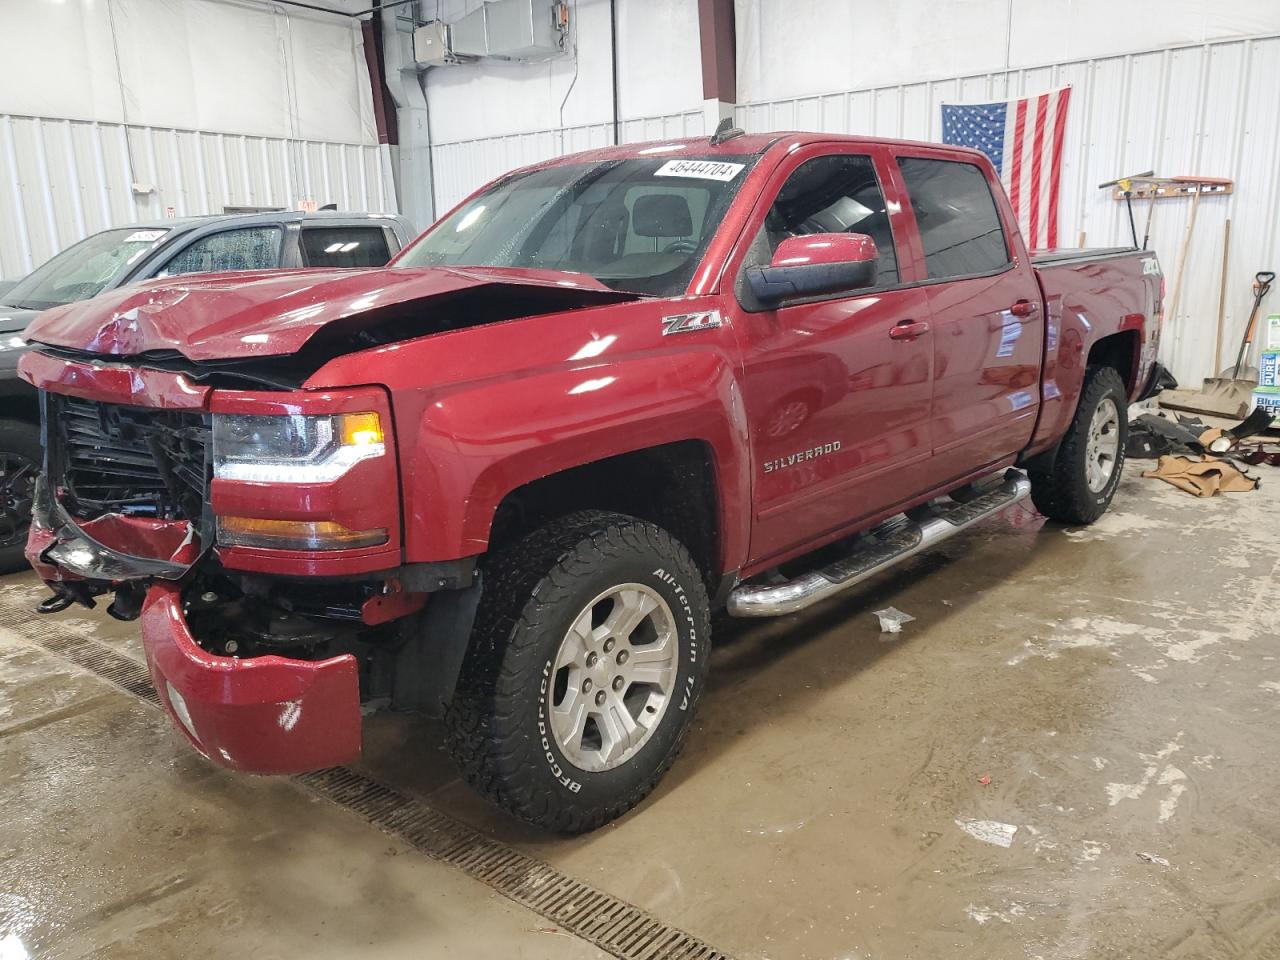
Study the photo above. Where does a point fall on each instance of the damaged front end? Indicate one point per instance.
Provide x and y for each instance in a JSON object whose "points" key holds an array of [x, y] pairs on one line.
{"points": [[262, 673], [122, 501]]}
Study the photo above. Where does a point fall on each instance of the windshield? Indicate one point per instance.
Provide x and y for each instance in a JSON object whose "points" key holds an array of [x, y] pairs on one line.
{"points": [[84, 270], [638, 225]]}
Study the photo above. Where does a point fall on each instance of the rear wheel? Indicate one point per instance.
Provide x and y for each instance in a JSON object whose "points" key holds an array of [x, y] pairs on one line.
{"points": [[1086, 472], [20, 458], [588, 657]]}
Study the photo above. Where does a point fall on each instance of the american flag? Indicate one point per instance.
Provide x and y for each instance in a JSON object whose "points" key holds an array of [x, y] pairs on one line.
{"points": [[1023, 138]]}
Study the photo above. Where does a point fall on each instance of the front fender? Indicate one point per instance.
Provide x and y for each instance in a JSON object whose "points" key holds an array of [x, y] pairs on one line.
{"points": [[482, 411], [477, 445]]}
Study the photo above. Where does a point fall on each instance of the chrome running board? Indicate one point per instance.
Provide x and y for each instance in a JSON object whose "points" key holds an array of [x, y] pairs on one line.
{"points": [[880, 548]]}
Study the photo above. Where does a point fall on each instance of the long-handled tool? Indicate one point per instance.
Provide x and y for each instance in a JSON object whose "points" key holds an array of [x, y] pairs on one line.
{"points": [[1261, 287], [1230, 394], [1125, 185]]}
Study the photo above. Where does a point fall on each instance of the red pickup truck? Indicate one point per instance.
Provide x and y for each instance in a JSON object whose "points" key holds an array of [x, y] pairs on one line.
{"points": [[508, 478]]}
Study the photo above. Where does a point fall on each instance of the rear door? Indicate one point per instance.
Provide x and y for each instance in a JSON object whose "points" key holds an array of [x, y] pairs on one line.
{"points": [[984, 306], [837, 408]]}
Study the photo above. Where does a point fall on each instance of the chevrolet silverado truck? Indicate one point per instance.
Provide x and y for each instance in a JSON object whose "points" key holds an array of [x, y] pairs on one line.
{"points": [[508, 478], [164, 248]]}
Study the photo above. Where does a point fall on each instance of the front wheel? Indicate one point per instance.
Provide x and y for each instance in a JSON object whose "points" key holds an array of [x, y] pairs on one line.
{"points": [[1086, 472], [587, 659]]}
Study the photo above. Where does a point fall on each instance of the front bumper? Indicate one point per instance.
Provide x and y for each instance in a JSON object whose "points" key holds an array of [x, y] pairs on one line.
{"points": [[266, 714]]}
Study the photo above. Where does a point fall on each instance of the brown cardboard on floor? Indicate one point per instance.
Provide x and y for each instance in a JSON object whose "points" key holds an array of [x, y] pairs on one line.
{"points": [[1204, 477]]}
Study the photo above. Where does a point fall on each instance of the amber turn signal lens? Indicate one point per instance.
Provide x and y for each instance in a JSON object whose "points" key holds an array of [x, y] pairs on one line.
{"points": [[361, 429], [294, 534]]}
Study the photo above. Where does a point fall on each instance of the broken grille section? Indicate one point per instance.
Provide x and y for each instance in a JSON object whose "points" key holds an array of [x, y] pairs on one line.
{"points": [[131, 460], [612, 924]]}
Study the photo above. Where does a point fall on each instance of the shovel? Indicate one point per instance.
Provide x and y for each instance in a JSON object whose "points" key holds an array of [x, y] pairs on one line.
{"points": [[1230, 394]]}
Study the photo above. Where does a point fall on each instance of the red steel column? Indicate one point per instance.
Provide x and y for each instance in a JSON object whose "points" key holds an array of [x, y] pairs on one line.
{"points": [[719, 59]]}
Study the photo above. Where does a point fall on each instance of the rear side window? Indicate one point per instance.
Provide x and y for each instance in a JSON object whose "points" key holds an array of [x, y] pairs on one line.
{"points": [[344, 246], [249, 248], [957, 217]]}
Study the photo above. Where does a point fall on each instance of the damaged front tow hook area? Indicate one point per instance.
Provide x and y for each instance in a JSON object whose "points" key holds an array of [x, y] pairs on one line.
{"points": [[64, 595], [127, 604]]}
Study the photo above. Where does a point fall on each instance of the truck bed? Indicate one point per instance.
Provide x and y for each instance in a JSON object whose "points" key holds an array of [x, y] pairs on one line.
{"points": [[1064, 255]]}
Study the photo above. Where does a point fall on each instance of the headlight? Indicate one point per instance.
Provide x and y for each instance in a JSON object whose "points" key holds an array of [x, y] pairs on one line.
{"points": [[293, 449]]}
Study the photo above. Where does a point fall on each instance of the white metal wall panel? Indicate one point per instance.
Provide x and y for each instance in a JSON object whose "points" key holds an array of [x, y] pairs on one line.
{"points": [[61, 180]]}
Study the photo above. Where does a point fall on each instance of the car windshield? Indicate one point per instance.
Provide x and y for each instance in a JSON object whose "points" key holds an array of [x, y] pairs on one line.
{"points": [[83, 270], [638, 225]]}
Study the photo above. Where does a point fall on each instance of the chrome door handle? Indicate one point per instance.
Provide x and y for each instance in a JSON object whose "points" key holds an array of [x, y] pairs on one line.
{"points": [[908, 330]]}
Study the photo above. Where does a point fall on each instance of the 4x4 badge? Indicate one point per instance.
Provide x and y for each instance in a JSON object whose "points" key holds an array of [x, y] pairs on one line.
{"points": [[689, 322]]}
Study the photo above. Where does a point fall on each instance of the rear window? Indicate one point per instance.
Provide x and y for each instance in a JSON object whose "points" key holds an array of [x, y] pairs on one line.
{"points": [[957, 217], [344, 246]]}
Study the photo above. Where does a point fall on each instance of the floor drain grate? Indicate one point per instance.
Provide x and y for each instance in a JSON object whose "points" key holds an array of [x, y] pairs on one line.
{"points": [[612, 924]]}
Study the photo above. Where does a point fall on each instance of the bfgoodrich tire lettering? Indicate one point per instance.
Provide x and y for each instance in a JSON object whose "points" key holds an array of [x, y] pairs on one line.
{"points": [[499, 725], [1064, 493]]}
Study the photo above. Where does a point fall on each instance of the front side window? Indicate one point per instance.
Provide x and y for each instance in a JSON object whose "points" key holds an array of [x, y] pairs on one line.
{"points": [[835, 194], [84, 270], [956, 216], [344, 246], [640, 225], [248, 248]]}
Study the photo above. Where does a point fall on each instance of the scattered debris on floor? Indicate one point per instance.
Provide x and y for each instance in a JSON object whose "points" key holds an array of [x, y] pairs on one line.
{"points": [[1201, 459], [985, 781], [988, 831], [1204, 478], [892, 619], [1153, 435], [1152, 858]]}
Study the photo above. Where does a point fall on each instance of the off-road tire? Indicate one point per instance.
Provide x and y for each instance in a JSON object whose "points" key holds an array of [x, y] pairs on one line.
{"points": [[1063, 493], [17, 437], [532, 592]]}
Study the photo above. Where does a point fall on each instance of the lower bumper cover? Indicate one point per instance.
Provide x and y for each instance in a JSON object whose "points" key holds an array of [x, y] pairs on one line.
{"points": [[265, 714]]}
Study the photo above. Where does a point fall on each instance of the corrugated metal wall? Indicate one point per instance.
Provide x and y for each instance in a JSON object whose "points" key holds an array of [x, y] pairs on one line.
{"points": [[61, 180], [1211, 109]]}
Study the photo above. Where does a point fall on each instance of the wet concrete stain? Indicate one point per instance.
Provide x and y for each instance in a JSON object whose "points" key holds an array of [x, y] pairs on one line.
{"points": [[1116, 687]]}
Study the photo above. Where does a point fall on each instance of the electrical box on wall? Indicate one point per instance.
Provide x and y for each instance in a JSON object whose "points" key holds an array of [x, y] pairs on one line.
{"points": [[431, 45]]}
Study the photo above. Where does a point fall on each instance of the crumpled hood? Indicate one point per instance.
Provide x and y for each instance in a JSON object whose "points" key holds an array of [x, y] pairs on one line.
{"points": [[274, 313]]}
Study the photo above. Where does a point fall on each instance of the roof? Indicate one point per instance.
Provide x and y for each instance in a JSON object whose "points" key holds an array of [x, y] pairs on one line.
{"points": [[274, 216], [748, 144]]}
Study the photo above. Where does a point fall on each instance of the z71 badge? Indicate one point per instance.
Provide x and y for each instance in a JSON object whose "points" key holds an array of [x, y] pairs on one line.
{"points": [[690, 322]]}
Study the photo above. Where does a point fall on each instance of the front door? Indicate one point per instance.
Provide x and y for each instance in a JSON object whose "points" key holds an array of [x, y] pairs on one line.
{"points": [[837, 408], [984, 307]]}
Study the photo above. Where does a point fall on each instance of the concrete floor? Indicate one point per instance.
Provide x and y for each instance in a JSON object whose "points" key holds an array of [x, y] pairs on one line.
{"points": [[1119, 685]]}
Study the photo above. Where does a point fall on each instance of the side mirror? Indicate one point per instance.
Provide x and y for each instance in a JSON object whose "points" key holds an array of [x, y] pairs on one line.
{"points": [[815, 264]]}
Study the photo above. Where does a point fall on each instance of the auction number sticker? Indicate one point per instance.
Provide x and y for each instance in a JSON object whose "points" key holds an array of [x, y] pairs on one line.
{"points": [[144, 236], [700, 169]]}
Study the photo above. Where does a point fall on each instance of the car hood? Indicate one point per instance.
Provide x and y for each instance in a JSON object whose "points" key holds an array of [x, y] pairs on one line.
{"points": [[14, 320], [265, 314]]}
